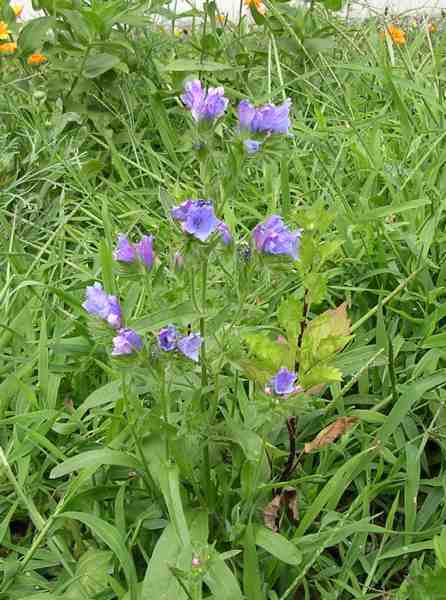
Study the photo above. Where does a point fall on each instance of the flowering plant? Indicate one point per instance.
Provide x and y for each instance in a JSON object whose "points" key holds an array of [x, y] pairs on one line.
{"points": [[213, 373]]}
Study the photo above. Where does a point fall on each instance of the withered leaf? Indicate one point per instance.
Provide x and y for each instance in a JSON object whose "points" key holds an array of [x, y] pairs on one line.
{"points": [[286, 499], [290, 501], [271, 512], [331, 433]]}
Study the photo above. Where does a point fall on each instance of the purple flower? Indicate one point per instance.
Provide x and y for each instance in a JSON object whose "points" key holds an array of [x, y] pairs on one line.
{"points": [[204, 105], [144, 249], [167, 338], [246, 113], [252, 146], [189, 345], [197, 217], [282, 384], [102, 305], [274, 237], [223, 230], [126, 342], [129, 253], [125, 251], [114, 317], [266, 119]]}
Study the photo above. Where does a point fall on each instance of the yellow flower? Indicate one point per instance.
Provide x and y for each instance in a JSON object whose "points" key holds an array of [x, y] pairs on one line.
{"points": [[17, 8], [221, 19], [8, 47], [36, 59], [260, 7], [4, 31], [396, 34], [431, 28]]}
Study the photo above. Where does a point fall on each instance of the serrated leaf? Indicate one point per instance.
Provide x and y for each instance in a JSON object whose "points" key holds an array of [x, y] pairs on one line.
{"points": [[323, 337], [322, 374], [273, 354], [289, 316]]}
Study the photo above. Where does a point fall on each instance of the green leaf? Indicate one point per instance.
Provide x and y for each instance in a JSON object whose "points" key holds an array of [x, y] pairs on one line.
{"points": [[289, 316], [269, 351], [180, 314], [112, 538], [191, 66], [411, 394], [323, 374], [277, 545], [435, 341], [92, 575], [249, 441], [335, 487], [97, 64], [323, 337], [43, 365], [34, 34], [108, 393], [252, 582], [78, 25], [159, 581], [222, 582], [327, 43], [168, 478], [95, 458]]}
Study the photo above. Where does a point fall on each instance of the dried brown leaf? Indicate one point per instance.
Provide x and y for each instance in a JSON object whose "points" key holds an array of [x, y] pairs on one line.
{"points": [[290, 501], [330, 433], [271, 512], [286, 499]]}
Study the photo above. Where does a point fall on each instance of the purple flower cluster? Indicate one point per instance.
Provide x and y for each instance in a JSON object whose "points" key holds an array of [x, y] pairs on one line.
{"points": [[169, 339], [197, 217], [103, 305], [107, 308], [283, 383], [129, 253], [211, 104], [274, 237], [204, 105], [265, 119], [268, 119], [126, 342]]}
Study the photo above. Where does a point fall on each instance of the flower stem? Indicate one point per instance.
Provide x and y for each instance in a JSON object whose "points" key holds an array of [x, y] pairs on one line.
{"points": [[131, 415]]}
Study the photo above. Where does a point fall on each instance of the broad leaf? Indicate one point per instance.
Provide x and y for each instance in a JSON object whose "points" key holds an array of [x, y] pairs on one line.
{"points": [[97, 64]]}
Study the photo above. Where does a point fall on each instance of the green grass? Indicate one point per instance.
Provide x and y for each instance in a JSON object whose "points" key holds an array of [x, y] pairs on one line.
{"points": [[100, 497]]}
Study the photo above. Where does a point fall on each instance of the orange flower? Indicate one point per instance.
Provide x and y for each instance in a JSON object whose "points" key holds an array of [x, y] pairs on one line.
{"points": [[17, 8], [36, 59], [4, 31], [396, 34], [260, 7], [431, 28], [8, 47]]}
